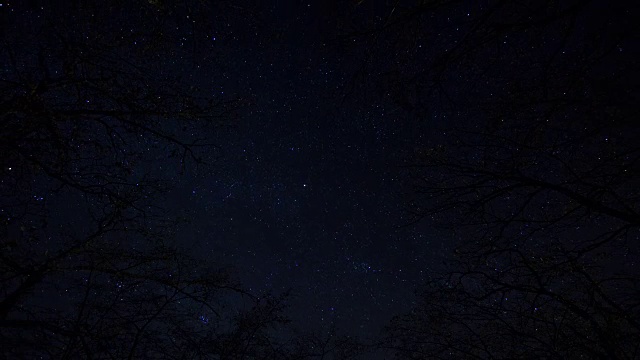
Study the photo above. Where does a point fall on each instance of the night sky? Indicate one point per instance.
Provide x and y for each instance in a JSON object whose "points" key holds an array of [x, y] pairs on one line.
{"points": [[303, 189], [306, 194], [307, 187]]}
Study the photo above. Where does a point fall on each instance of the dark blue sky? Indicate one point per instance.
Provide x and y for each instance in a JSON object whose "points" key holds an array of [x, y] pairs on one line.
{"points": [[308, 191], [306, 188]]}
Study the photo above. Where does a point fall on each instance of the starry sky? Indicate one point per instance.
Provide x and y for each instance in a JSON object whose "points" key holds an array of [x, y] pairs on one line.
{"points": [[305, 187], [307, 191]]}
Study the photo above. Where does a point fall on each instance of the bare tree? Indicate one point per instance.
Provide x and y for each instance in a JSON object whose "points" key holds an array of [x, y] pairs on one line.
{"points": [[536, 180], [95, 125], [546, 261]]}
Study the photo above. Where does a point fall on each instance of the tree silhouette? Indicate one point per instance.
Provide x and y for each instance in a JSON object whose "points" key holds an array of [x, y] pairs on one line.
{"points": [[531, 166], [546, 265], [95, 125]]}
